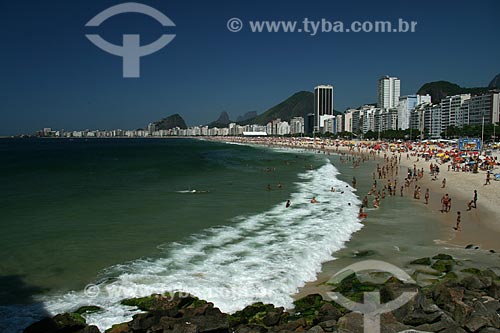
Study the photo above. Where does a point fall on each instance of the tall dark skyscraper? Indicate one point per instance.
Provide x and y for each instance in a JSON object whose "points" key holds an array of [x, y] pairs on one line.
{"points": [[323, 104]]}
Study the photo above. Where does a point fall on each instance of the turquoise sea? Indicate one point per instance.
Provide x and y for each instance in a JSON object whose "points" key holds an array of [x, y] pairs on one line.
{"points": [[96, 221]]}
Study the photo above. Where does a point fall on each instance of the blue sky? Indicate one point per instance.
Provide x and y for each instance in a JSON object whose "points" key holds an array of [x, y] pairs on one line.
{"points": [[52, 76]]}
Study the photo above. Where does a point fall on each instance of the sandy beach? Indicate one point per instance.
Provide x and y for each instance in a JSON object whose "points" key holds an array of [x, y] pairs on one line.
{"points": [[480, 226], [404, 228]]}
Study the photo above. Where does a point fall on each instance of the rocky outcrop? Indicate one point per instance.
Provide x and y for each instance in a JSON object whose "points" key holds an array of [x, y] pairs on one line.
{"points": [[457, 301]]}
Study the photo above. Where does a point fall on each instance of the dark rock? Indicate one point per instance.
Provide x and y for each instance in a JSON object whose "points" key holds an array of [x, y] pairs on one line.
{"points": [[308, 302], [315, 329], [489, 330], [490, 303], [443, 265], [389, 324], [328, 325], [417, 307], [471, 270], [273, 317], [489, 273], [484, 312], [182, 327], [460, 311], [494, 290], [492, 251], [119, 328], [475, 323], [328, 312], [295, 325], [62, 323], [252, 313], [214, 321], [442, 256], [447, 292], [351, 322], [420, 318], [444, 322], [88, 309], [473, 282], [170, 302], [251, 328], [453, 330], [90, 329], [469, 246], [364, 253], [422, 261], [143, 321], [450, 276]]}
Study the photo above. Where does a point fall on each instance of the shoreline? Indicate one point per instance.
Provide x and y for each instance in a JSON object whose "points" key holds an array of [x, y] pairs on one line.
{"points": [[478, 230], [479, 226]]}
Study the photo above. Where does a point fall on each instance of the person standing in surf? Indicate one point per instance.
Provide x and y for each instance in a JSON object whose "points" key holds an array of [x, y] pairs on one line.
{"points": [[457, 226]]}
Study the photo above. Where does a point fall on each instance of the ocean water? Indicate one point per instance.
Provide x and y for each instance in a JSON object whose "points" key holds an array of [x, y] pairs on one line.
{"points": [[94, 222]]}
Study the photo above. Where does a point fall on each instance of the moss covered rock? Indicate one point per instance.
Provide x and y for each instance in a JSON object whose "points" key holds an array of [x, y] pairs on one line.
{"points": [[442, 256], [422, 261], [471, 270], [443, 265], [88, 309]]}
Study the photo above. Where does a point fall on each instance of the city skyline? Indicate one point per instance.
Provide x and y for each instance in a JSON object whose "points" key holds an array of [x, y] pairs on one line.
{"points": [[54, 77]]}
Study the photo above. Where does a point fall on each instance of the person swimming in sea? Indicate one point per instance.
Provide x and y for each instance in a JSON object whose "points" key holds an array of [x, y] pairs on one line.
{"points": [[313, 200]]}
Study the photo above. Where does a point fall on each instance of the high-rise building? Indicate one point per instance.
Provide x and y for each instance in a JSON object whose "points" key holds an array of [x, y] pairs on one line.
{"points": [[309, 124], [480, 106], [388, 92], [297, 125], [323, 103], [340, 124], [405, 107], [452, 112]]}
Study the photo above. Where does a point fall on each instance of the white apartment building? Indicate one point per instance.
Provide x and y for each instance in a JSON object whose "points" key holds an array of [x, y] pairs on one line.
{"points": [[388, 92]]}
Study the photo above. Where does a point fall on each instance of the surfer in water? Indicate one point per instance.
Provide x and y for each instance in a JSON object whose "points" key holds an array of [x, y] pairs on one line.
{"points": [[288, 204]]}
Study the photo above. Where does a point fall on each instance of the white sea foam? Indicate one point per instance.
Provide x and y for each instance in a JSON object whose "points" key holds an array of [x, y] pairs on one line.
{"points": [[264, 257]]}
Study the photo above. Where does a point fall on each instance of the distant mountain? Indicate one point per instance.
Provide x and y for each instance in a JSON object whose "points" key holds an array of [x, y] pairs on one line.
{"points": [[495, 83], [246, 116], [440, 89], [170, 122], [297, 105], [222, 121]]}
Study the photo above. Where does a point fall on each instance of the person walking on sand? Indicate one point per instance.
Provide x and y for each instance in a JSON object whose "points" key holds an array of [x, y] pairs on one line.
{"points": [[444, 203], [474, 201], [443, 183], [487, 178], [457, 226], [426, 196]]}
